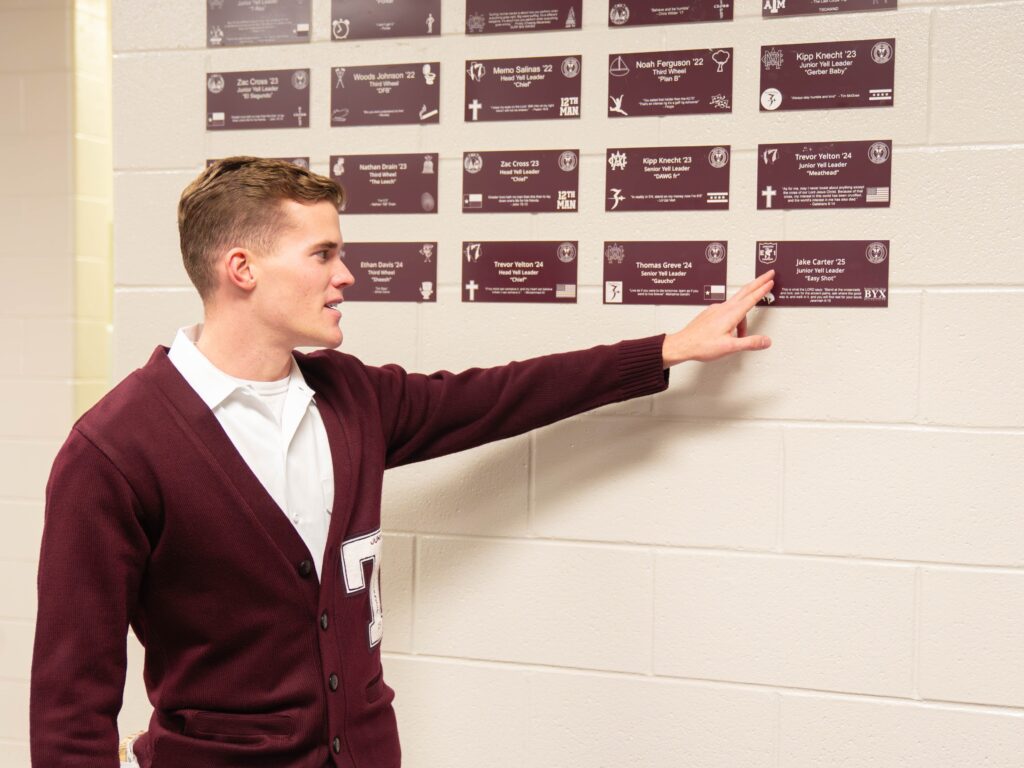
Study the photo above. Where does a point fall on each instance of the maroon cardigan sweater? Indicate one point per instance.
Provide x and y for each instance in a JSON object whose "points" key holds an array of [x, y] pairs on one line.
{"points": [[154, 520]]}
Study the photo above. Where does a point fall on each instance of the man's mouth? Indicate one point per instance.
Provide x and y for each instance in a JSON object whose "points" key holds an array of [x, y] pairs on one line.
{"points": [[336, 306]]}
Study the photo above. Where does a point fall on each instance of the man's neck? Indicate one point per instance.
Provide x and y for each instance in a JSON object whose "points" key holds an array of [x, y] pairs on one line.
{"points": [[242, 353]]}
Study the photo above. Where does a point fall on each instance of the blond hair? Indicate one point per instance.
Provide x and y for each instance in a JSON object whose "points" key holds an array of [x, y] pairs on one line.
{"points": [[235, 202]]}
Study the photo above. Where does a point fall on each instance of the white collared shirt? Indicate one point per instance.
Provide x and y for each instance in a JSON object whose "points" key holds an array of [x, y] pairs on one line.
{"points": [[277, 429]]}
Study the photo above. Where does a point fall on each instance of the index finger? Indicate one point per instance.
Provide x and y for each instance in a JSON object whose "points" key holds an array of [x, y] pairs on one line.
{"points": [[753, 292], [754, 285]]}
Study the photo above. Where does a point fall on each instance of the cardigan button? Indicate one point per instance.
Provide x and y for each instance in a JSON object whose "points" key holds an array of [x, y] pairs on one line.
{"points": [[305, 569], [333, 682], [336, 745], [323, 620]]}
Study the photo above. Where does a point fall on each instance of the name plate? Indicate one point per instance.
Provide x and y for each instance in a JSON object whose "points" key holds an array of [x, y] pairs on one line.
{"points": [[256, 22], [665, 272], [670, 83], [526, 181], [840, 75], [667, 179], [387, 94], [491, 16], [519, 271], [837, 174], [273, 98], [776, 8], [367, 19], [523, 89], [387, 183], [392, 271], [829, 273], [630, 14]]}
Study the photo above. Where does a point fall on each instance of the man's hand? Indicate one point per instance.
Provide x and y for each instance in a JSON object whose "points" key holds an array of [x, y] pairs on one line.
{"points": [[721, 329]]}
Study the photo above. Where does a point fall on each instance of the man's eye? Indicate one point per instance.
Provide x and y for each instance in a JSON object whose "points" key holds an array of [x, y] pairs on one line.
{"points": [[323, 255]]}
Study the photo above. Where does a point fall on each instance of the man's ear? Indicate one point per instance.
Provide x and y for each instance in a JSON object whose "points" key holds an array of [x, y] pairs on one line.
{"points": [[238, 262]]}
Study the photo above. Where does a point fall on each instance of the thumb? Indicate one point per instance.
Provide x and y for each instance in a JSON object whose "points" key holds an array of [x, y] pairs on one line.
{"points": [[752, 343]]}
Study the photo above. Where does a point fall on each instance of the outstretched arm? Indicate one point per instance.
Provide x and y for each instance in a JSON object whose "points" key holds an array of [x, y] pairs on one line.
{"points": [[721, 329]]}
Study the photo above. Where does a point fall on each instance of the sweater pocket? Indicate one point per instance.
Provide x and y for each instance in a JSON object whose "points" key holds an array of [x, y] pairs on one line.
{"points": [[236, 728], [375, 688]]}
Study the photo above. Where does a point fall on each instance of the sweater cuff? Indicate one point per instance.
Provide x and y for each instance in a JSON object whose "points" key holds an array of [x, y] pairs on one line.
{"points": [[641, 368]]}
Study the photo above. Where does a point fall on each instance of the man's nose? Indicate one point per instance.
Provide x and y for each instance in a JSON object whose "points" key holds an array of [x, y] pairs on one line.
{"points": [[342, 276]]}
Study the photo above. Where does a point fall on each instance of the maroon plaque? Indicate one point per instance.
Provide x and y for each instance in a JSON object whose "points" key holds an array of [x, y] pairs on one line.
{"points": [[836, 174], [535, 271], [629, 13], [664, 272], [523, 89], [527, 181], [840, 75], [256, 22], [302, 162], [361, 19], [667, 179], [391, 271], [387, 183], [488, 16], [772, 8], [834, 273], [388, 94], [670, 83], [273, 98]]}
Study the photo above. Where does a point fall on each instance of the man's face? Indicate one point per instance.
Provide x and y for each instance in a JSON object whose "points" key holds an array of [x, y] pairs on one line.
{"points": [[299, 283]]}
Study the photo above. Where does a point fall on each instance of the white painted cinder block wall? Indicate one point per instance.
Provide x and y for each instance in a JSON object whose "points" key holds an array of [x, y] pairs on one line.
{"points": [[809, 557], [37, 255]]}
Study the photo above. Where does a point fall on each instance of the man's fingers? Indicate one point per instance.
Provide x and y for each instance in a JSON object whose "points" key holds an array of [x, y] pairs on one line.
{"points": [[752, 343], [754, 285]]}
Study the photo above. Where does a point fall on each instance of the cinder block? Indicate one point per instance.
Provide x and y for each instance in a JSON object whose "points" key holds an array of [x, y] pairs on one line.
{"points": [[47, 102], [456, 335], [659, 482], [582, 720], [797, 622], [12, 334], [35, 287], [482, 491], [52, 420], [971, 87], [152, 25], [849, 492], [830, 730], [136, 710], [20, 600], [16, 638], [25, 466], [460, 715], [11, 119], [972, 630], [36, 165], [143, 319], [397, 587], [14, 696], [380, 332], [23, 529], [48, 348], [160, 110], [534, 602], [147, 251], [22, 219], [830, 364], [969, 375], [35, 39]]}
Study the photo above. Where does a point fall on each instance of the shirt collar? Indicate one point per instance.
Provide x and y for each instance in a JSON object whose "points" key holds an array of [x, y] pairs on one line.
{"points": [[211, 383]]}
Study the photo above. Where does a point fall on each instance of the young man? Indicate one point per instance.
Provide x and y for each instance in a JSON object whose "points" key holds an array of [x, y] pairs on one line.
{"points": [[224, 499]]}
